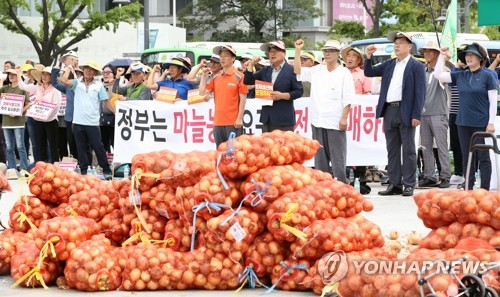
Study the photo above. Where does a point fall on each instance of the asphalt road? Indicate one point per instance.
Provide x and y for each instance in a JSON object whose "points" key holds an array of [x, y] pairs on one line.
{"points": [[390, 213]]}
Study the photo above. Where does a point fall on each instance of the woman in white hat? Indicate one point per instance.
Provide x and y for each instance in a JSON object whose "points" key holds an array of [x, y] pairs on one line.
{"points": [[46, 124]]}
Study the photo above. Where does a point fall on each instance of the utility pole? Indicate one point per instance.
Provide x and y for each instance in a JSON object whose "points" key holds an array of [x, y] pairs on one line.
{"points": [[146, 24]]}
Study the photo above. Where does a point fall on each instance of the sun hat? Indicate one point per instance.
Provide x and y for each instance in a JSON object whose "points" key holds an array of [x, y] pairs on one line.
{"points": [[358, 52], [474, 48], [11, 71], [393, 35], [247, 56], [176, 63], [37, 66], [218, 49], [265, 47], [68, 54], [26, 67], [431, 44], [93, 65], [332, 44], [139, 68], [37, 74]]}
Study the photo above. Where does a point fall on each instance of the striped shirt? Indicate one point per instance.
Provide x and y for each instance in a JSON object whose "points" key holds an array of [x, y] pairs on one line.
{"points": [[454, 100]]}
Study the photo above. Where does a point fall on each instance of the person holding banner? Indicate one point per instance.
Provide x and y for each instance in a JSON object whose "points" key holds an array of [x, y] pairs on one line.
{"points": [[176, 70], [332, 92], [89, 92], [46, 126], [401, 101], [280, 115], [13, 107], [230, 95], [477, 93]]}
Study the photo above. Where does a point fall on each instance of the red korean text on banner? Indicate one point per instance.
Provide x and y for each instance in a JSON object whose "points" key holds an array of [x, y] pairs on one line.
{"points": [[11, 104], [168, 95]]}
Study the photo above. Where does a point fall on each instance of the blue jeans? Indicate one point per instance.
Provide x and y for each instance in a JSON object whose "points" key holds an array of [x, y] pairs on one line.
{"points": [[15, 137]]}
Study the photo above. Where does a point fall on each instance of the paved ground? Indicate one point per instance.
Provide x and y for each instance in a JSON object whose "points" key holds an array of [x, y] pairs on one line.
{"points": [[390, 213]]}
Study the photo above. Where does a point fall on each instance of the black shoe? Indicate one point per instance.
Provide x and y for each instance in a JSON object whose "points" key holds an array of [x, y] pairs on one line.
{"points": [[408, 191], [428, 182], [444, 184], [391, 190]]}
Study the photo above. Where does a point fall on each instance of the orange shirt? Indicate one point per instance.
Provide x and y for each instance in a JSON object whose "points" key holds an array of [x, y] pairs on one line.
{"points": [[226, 88]]}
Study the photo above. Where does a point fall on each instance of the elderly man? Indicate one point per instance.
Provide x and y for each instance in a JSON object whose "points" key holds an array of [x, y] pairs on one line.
{"points": [[401, 100], [281, 114], [332, 92], [89, 92], [137, 89]]}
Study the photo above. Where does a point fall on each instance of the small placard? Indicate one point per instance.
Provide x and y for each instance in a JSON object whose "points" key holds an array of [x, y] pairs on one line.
{"points": [[263, 89], [180, 165], [62, 107], [168, 95], [70, 166], [41, 110], [134, 197], [195, 97], [237, 232], [11, 104]]}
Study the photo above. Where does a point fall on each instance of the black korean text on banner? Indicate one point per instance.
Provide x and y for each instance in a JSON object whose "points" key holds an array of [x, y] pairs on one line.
{"points": [[41, 110], [11, 104]]}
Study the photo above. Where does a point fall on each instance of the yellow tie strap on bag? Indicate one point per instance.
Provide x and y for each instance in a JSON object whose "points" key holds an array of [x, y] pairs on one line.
{"points": [[286, 218], [138, 235]]}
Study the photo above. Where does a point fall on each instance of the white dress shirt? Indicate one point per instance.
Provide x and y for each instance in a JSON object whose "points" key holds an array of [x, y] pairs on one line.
{"points": [[395, 92]]}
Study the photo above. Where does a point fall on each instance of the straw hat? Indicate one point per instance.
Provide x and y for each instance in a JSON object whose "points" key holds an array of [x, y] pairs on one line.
{"points": [[218, 49], [177, 63], [431, 44], [393, 35], [358, 52], [37, 66], [93, 65]]}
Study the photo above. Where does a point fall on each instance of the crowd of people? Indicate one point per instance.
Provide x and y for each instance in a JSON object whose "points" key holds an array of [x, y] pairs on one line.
{"points": [[447, 101]]}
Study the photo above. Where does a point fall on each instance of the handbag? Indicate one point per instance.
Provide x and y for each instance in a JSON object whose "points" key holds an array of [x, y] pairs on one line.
{"points": [[107, 120]]}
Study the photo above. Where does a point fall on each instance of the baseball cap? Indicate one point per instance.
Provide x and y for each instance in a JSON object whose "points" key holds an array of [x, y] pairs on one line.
{"points": [[392, 36], [215, 58], [218, 49], [138, 67], [265, 47]]}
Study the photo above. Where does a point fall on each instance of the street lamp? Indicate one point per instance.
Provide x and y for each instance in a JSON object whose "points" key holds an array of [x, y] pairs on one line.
{"points": [[120, 2]]}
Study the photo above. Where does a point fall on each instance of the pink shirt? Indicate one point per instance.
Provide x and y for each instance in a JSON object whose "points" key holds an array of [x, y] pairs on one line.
{"points": [[49, 94], [362, 84]]}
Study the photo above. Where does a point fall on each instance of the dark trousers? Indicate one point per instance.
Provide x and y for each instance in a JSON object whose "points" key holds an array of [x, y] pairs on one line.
{"points": [[46, 132], [3, 156], [108, 137], [221, 133], [268, 127], [455, 146], [31, 129], [483, 156], [71, 139], [85, 136], [62, 142], [399, 136]]}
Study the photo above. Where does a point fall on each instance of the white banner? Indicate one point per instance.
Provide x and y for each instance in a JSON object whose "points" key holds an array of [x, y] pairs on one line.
{"points": [[11, 104], [144, 126], [41, 110]]}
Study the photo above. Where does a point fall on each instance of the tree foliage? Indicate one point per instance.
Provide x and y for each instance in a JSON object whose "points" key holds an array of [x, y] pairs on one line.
{"points": [[254, 18], [375, 13], [353, 30], [58, 24]]}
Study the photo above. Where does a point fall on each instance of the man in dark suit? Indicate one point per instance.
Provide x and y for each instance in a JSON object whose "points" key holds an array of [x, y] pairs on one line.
{"points": [[286, 88], [401, 100]]}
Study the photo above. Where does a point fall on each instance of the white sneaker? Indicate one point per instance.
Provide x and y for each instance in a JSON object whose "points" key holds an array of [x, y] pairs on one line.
{"points": [[456, 180]]}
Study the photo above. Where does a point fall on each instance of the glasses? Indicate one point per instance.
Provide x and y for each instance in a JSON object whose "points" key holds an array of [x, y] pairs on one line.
{"points": [[330, 51]]}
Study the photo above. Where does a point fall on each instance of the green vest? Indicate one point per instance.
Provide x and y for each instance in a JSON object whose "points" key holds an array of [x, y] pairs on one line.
{"points": [[135, 92]]}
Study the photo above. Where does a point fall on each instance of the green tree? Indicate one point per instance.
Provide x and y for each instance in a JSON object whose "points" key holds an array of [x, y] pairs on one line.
{"points": [[57, 24], [375, 12], [256, 15], [353, 30]]}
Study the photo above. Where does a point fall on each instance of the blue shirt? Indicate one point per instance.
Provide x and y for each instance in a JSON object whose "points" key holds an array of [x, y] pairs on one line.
{"points": [[182, 85], [474, 104], [87, 99], [70, 94]]}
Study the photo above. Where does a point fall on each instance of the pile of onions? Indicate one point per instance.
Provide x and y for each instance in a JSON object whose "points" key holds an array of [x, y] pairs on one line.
{"points": [[448, 237], [53, 184], [95, 265], [4, 183], [113, 226], [264, 253], [288, 278], [26, 259], [28, 209], [340, 234], [178, 234], [188, 168], [220, 235], [323, 200], [154, 227], [65, 234], [161, 198], [441, 208], [10, 241], [248, 153], [274, 181]]}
